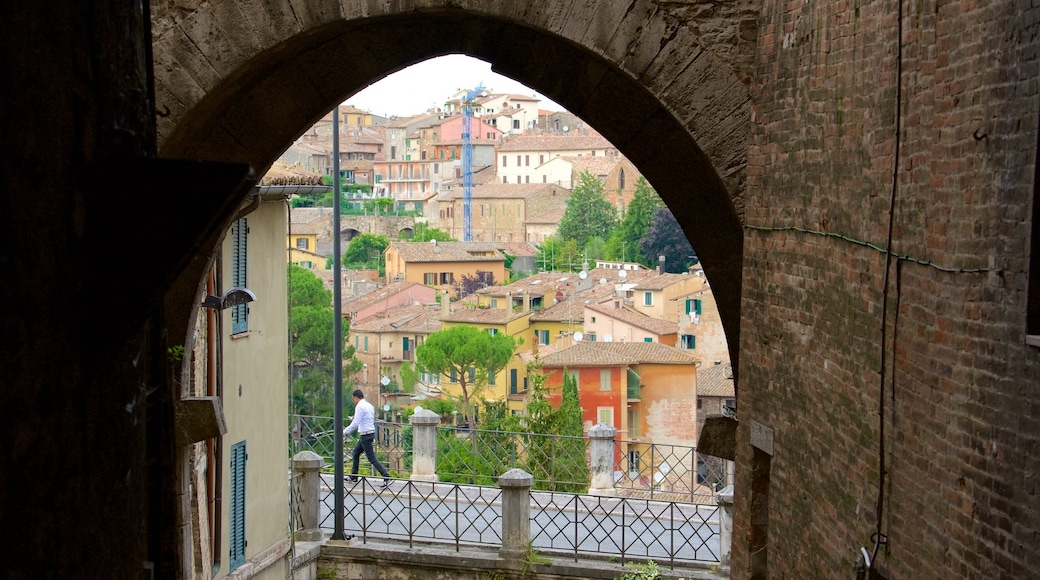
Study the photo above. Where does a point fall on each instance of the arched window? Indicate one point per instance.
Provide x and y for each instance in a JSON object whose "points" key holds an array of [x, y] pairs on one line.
{"points": [[621, 179]]}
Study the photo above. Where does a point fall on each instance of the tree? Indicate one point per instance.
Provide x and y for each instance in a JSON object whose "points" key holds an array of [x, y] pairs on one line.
{"points": [[588, 212], [311, 343], [365, 250], [624, 243], [555, 254], [424, 233], [666, 238], [455, 351], [557, 463], [470, 283]]}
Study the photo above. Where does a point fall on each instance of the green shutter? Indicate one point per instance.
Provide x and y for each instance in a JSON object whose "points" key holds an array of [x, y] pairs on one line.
{"points": [[238, 505], [239, 235], [697, 307]]}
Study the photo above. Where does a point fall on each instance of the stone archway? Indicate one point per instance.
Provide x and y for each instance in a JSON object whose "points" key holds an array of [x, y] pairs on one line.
{"points": [[237, 86]]}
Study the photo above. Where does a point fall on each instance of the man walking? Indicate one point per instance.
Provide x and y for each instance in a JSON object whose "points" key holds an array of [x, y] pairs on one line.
{"points": [[364, 422]]}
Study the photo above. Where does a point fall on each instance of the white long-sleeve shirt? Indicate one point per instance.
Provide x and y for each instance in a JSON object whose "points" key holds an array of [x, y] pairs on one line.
{"points": [[364, 419]]}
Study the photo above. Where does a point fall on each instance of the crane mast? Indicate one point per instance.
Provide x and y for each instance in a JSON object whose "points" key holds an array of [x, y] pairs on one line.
{"points": [[467, 163]]}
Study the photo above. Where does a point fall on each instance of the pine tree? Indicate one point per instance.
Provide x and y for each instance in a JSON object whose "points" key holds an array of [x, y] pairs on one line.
{"points": [[624, 243], [588, 212]]}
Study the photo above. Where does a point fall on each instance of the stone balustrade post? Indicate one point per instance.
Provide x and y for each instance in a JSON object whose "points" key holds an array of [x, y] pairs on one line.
{"points": [[725, 500], [424, 444], [516, 513], [601, 455], [307, 469]]}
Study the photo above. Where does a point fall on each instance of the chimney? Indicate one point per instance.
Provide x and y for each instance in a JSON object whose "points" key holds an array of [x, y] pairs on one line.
{"points": [[660, 264], [445, 303], [527, 302]]}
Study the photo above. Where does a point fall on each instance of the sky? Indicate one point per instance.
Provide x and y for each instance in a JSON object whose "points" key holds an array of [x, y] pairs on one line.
{"points": [[429, 83]]}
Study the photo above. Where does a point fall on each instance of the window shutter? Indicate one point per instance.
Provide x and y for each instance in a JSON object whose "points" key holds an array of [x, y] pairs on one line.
{"points": [[238, 504], [239, 235], [697, 307]]}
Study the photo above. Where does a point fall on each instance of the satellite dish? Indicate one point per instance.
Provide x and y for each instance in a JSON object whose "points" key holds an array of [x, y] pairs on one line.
{"points": [[608, 338], [583, 274], [566, 128], [577, 337], [602, 280], [622, 274], [384, 381]]}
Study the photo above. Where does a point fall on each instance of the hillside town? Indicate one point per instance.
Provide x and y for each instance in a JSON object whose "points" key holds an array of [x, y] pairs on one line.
{"points": [[635, 331]]}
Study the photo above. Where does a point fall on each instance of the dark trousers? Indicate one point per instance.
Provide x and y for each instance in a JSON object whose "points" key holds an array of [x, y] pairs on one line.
{"points": [[366, 444]]}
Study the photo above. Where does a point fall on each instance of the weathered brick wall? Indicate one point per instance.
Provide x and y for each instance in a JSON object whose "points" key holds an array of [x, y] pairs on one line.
{"points": [[960, 406]]}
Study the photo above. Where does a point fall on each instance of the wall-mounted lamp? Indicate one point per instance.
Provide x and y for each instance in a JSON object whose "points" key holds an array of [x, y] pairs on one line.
{"points": [[233, 297]]}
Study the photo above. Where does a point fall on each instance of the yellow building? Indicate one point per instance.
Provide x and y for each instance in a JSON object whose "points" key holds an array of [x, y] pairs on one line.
{"points": [[443, 264]]}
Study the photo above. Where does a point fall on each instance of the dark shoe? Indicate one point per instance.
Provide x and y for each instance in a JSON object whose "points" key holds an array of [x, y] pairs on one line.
{"points": [[386, 484], [352, 479]]}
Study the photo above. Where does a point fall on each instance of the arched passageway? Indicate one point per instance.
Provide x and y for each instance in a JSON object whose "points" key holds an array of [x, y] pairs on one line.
{"points": [[236, 89]]}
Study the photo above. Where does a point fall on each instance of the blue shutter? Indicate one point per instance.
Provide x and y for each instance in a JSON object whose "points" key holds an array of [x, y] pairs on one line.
{"points": [[238, 505], [239, 313]]}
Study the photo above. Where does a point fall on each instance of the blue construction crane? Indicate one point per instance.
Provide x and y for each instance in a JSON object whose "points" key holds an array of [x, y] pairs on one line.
{"points": [[467, 162]]}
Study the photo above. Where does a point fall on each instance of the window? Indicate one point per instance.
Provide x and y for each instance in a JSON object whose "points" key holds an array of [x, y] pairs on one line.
{"points": [[494, 303], [437, 166], [518, 161], [505, 161], [492, 331], [633, 423], [516, 123], [648, 339], [574, 377], [302, 243], [543, 336], [648, 298], [505, 179], [693, 306], [527, 160], [591, 336], [393, 150], [518, 179], [593, 319], [621, 179], [541, 159], [689, 342], [527, 179], [512, 381], [366, 344], [491, 377], [700, 403], [239, 253], [604, 379], [472, 374], [238, 505], [605, 415], [454, 377], [633, 464]]}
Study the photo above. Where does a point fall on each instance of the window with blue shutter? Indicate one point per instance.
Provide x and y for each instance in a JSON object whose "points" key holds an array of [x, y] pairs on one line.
{"points": [[239, 234], [238, 505]]}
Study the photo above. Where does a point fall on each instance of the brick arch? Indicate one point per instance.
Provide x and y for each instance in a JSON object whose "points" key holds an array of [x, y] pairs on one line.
{"points": [[233, 86]]}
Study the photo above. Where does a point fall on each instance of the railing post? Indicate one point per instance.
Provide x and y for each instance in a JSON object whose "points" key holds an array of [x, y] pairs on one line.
{"points": [[307, 467], [601, 454], [516, 513], [424, 444], [725, 500]]}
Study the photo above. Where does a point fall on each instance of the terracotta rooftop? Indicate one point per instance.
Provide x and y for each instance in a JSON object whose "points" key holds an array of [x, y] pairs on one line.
{"points": [[715, 381], [500, 190], [518, 248], [547, 142], [654, 325], [593, 354], [598, 165], [448, 252], [572, 308], [374, 297], [483, 315], [418, 319]]}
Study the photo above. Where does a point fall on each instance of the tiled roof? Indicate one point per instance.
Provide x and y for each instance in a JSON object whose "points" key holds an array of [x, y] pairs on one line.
{"points": [[661, 281], [548, 142], [654, 325], [483, 315], [518, 248], [374, 297], [648, 352], [537, 283], [448, 252], [598, 165], [715, 381], [417, 319], [586, 354], [511, 190], [572, 308]]}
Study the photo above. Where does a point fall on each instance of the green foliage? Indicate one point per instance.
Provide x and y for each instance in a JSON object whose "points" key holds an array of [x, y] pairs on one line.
{"points": [[424, 233], [409, 376], [460, 348], [557, 464], [648, 570], [624, 243], [311, 341], [556, 254], [365, 251], [588, 212], [666, 238]]}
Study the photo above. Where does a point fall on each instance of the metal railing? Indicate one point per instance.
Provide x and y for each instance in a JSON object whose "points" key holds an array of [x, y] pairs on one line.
{"points": [[562, 524], [625, 528], [557, 463]]}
